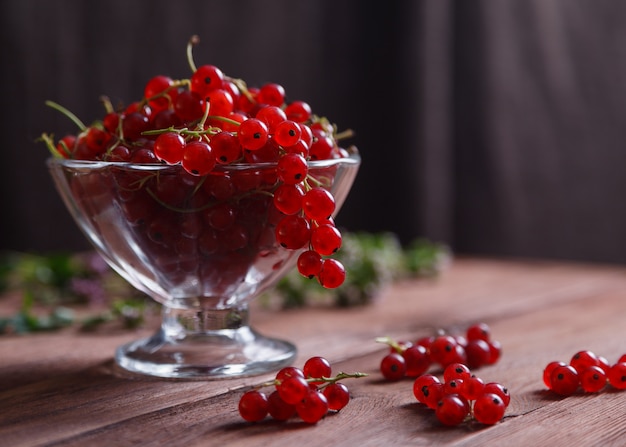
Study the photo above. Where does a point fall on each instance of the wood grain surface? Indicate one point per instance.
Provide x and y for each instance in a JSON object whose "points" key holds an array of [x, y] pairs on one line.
{"points": [[63, 389]]}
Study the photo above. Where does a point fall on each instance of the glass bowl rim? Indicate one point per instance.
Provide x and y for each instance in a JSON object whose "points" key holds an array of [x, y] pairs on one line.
{"points": [[352, 158]]}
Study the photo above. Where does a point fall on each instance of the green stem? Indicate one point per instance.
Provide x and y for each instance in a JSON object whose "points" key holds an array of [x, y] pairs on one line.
{"points": [[193, 41], [67, 113], [391, 342]]}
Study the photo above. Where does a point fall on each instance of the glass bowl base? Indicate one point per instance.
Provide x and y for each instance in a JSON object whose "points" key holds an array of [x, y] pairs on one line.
{"points": [[217, 354]]}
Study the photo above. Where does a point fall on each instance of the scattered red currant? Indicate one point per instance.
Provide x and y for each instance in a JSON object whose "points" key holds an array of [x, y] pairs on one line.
{"points": [[477, 348], [462, 396], [586, 372], [309, 392]]}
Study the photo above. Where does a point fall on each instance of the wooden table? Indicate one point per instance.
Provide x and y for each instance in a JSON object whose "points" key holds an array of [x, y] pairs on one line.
{"points": [[63, 388]]}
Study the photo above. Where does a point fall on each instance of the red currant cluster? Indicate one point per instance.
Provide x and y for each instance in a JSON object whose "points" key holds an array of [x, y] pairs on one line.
{"points": [[411, 359], [212, 120], [586, 371], [462, 396], [309, 392]]}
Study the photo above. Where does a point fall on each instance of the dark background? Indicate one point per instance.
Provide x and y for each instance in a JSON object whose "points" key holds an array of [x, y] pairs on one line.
{"points": [[496, 127]]}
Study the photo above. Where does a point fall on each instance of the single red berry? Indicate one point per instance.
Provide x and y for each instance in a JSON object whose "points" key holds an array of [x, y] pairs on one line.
{"points": [[292, 168], [325, 239], [156, 90], [293, 232], [226, 147], [252, 134], [443, 350], [288, 198], [293, 389], [272, 94], [298, 111], [472, 387], [417, 360], [198, 158], [332, 274], [220, 102], [564, 380], [478, 353], [547, 372], [421, 384], [253, 406], [169, 147], [617, 376], [500, 390], [592, 379], [478, 331], [313, 407], [393, 366], [278, 408], [452, 409], [189, 106], [322, 145], [309, 263], [318, 204], [489, 408], [584, 359], [287, 133], [317, 367], [456, 371], [205, 79], [272, 116], [337, 395]]}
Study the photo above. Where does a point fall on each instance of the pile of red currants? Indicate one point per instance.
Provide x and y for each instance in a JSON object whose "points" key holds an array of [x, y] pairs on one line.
{"points": [[462, 396], [411, 359], [205, 125], [309, 392], [586, 371]]}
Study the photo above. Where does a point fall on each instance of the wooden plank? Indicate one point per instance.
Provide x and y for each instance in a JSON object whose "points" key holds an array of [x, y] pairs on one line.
{"points": [[63, 389]]}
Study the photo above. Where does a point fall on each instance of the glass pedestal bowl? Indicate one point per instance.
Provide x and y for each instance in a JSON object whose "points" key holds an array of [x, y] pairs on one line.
{"points": [[203, 247]]}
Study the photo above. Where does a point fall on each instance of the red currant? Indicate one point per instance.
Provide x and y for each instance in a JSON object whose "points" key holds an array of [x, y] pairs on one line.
{"points": [[252, 134], [288, 198], [287, 133], [393, 366], [198, 158], [325, 239], [205, 79], [293, 232], [617, 376], [253, 406], [309, 263], [592, 379], [312, 407], [489, 408], [278, 408], [292, 169], [317, 367], [337, 395], [421, 384], [564, 380], [318, 204], [332, 274], [452, 409]]}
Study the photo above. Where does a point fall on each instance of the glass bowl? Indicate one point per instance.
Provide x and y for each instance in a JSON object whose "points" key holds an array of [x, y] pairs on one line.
{"points": [[203, 247]]}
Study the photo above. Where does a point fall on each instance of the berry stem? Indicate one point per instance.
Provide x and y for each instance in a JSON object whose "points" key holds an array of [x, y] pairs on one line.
{"points": [[391, 342], [68, 114], [193, 41], [49, 141]]}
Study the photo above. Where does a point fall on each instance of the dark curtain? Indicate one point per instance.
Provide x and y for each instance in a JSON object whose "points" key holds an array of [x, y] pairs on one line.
{"points": [[496, 127]]}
